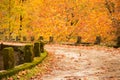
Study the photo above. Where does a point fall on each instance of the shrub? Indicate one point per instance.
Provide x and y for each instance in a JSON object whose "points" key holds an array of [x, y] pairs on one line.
{"points": [[37, 49], [28, 53], [8, 58]]}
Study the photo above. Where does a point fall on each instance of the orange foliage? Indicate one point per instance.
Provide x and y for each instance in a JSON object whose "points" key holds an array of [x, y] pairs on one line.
{"points": [[66, 19]]}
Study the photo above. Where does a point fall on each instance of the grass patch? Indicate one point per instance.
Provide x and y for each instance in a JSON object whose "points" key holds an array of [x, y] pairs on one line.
{"points": [[24, 66]]}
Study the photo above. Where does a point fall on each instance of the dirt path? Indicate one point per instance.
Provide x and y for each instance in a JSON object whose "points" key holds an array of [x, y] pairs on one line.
{"points": [[84, 63]]}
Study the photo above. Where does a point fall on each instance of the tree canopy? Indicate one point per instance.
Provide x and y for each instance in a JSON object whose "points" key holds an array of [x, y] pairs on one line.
{"points": [[63, 19]]}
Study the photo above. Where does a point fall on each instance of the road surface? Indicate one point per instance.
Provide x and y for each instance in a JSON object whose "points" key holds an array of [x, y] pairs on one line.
{"points": [[84, 63]]}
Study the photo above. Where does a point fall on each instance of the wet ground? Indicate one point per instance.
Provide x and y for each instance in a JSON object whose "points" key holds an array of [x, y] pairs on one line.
{"points": [[84, 63]]}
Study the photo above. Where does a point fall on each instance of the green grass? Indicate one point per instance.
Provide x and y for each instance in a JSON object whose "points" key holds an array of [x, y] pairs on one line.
{"points": [[31, 72], [24, 66]]}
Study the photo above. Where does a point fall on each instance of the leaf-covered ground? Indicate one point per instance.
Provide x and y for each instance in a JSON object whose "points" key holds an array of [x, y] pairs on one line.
{"points": [[77, 63], [84, 63]]}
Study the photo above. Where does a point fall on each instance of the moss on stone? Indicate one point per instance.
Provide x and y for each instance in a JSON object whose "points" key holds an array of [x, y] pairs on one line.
{"points": [[37, 49], [118, 41], [28, 53], [42, 46], [51, 39], [98, 40], [8, 58], [21, 67], [78, 40]]}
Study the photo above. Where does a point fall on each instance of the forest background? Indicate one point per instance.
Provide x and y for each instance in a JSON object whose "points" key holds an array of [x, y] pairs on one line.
{"points": [[62, 19]]}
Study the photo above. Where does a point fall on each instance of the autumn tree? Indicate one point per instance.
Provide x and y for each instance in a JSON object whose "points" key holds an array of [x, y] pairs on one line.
{"points": [[113, 8], [62, 19]]}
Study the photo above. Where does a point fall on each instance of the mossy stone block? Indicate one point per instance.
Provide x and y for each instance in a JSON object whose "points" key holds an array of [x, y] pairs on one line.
{"points": [[32, 38], [37, 49], [42, 46], [40, 38], [78, 40], [28, 53], [17, 38], [51, 39], [8, 58], [98, 40], [118, 41], [24, 38]]}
